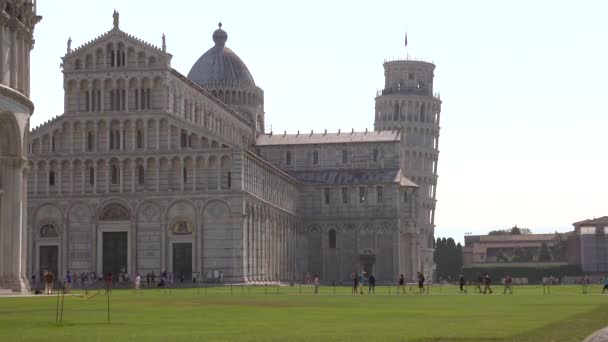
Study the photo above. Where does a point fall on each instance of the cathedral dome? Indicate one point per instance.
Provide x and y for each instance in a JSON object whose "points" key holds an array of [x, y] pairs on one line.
{"points": [[220, 66]]}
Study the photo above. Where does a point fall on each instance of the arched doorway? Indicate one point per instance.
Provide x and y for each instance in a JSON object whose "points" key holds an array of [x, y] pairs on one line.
{"points": [[114, 241]]}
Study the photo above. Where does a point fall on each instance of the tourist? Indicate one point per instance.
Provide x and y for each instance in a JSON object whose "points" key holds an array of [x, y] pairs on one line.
{"points": [[479, 282], [372, 284], [421, 282], [181, 277], [148, 279], [137, 283], [487, 282], [152, 276], [462, 282], [508, 281], [317, 282], [193, 277], [68, 282], [605, 284], [49, 278], [362, 281], [355, 282], [34, 280], [401, 285]]}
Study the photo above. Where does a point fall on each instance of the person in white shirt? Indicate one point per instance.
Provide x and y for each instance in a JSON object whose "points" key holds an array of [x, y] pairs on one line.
{"points": [[137, 283]]}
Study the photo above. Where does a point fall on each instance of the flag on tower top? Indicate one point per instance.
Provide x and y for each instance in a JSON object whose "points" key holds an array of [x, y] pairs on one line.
{"points": [[405, 38]]}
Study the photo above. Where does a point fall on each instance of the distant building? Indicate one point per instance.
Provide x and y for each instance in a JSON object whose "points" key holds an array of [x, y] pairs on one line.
{"points": [[591, 243], [482, 249]]}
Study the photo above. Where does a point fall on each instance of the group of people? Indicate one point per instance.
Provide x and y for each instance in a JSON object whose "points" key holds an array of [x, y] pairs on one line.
{"points": [[359, 282], [486, 281]]}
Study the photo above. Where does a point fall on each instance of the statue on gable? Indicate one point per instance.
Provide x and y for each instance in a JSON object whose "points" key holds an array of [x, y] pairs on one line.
{"points": [[69, 44], [116, 18]]}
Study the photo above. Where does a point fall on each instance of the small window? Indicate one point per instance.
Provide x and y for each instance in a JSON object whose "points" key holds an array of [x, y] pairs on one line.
{"points": [[185, 174], [326, 195], [53, 143], [332, 238], [361, 195], [52, 178], [184, 139], [315, 157], [140, 139], [140, 175], [344, 156], [92, 176], [344, 195], [410, 75], [229, 176], [404, 196], [90, 141], [115, 175], [396, 112], [379, 194], [376, 155], [288, 158]]}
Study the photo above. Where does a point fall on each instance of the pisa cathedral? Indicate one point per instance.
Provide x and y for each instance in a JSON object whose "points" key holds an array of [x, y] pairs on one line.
{"points": [[150, 170]]}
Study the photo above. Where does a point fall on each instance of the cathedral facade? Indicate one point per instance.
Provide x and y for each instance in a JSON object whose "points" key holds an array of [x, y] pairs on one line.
{"points": [[149, 170]]}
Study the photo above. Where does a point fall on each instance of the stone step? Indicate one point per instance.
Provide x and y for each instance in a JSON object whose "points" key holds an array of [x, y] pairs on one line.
{"points": [[6, 292]]}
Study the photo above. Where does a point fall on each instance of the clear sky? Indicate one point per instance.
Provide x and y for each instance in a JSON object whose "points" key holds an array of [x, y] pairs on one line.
{"points": [[524, 127]]}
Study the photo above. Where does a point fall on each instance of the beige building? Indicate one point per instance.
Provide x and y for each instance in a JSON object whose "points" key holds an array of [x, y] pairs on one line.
{"points": [[149, 170], [17, 21]]}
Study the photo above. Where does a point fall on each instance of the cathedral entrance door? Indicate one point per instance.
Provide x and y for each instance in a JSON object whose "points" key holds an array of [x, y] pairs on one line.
{"points": [[367, 259], [115, 253], [182, 259], [49, 260]]}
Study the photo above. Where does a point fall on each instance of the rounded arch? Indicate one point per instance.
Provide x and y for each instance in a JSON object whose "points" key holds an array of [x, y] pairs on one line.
{"points": [[10, 139], [114, 209], [215, 209]]}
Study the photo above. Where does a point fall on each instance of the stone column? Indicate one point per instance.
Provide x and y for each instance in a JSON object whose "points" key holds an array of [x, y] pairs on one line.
{"points": [[13, 58]]}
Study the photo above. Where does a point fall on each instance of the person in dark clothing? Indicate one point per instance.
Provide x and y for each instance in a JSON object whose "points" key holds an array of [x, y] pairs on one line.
{"points": [[421, 282], [462, 282], [487, 282], [152, 276], [372, 284], [355, 282], [401, 285], [479, 282]]}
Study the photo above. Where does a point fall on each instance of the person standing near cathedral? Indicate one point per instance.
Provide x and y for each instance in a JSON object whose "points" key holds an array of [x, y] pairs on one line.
{"points": [[421, 282], [355, 282], [401, 286], [487, 282], [362, 281], [68, 282], [49, 278], [372, 284], [137, 283], [462, 282], [317, 282], [508, 281]]}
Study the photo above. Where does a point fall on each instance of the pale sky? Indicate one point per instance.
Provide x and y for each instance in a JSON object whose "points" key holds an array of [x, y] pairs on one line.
{"points": [[523, 124]]}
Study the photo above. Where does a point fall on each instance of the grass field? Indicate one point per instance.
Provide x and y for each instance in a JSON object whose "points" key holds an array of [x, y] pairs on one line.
{"points": [[286, 314]]}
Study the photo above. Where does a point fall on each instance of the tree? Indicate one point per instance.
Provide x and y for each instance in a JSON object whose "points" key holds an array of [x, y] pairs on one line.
{"points": [[544, 254], [515, 231], [448, 258]]}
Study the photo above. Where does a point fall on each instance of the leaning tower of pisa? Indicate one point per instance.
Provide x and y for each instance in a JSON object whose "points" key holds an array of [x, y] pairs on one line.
{"points": [[408, 103]]}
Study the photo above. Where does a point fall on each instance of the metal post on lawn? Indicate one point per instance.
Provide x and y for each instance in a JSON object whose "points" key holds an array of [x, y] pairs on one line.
{"points": [[62, 299], [57, 311], [108, 294]]}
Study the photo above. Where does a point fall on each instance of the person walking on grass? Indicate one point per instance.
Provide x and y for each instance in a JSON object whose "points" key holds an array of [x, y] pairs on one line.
{"points": [[355, 282], [421, 282], [401, 285], [317, 282], [362, 281], [49, 278], [137, 283], [605, 284], [462, 282], [508, 281], [479, 282], [68, 282], [487, 282], [372, 284]]}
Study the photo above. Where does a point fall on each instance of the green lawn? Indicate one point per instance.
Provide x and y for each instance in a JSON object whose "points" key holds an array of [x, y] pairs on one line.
{"points": [[283, 314]]}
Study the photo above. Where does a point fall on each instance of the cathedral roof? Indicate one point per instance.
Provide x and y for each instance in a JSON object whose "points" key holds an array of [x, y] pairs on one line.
{"points": [[220, 66], [328, 138], [596, 221], [352, 177]]}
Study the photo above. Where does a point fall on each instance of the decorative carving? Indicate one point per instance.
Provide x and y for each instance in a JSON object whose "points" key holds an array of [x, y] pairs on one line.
{"points": [[150, 212], [48, 231], [115, 212], [182, 228]]}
